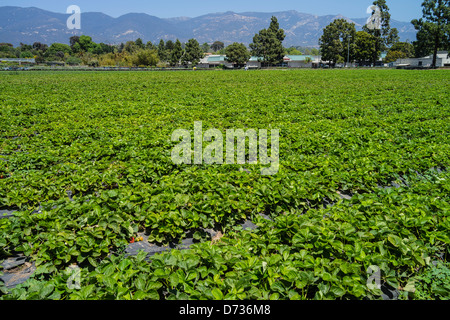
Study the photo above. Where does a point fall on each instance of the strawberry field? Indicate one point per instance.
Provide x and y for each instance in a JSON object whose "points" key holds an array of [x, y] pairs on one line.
{"points": [[93, 207]]}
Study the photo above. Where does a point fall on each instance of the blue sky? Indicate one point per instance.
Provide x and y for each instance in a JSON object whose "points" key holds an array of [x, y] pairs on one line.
{"points": [[402, 10]]}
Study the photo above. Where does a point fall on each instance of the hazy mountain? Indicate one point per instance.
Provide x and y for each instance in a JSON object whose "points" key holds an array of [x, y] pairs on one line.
{"points": [[29, 25]]}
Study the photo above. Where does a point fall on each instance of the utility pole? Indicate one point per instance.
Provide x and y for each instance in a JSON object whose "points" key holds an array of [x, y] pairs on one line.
{"points": [[348, 52]]}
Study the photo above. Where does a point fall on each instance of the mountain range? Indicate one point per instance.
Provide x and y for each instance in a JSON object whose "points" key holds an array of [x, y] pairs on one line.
{"points": [[28, 25]]}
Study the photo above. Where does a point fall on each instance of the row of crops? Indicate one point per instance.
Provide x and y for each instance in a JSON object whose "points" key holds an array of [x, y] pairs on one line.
{"points": [[85, 164]]}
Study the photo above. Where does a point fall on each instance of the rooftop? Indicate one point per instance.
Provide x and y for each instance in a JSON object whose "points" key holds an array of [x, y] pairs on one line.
{"points": [[302, 57]]}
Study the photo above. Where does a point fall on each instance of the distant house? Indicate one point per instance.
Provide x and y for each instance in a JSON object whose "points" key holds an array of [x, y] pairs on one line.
{"points": [[254, 63], [302, 61], [442, 60], [212, 61], [290, 61], [203, 63]]}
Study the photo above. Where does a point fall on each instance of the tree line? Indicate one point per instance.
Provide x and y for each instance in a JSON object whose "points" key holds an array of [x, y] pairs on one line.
{"points": [[339, 43], [83, 50]]}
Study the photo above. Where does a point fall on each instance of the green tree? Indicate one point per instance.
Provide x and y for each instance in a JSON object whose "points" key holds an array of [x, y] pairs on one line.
{"points": [[27, 54], [170, 45], [404, 47], [217, 46], [121, 47], [293, 51], [139, 43], [385, 35], [58, 47], [267, 45], [237, 53], [145, 57], [275, 29], [86, 44], [25, 47], [42, 47], [394, 55], [73, 40], [102, 48], [39, 59], [193, 53], [433, 29], [400, 50], [162, 52], [365, 47], [206, 47], [7, 50], [176, 54], [337, 42], [315, 52], [151, 46], [130, 47]]}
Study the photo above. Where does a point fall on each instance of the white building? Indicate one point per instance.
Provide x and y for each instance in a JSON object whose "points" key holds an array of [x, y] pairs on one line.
{"points": [[442, 60], [212, 61], [290, 61], [253, 63], [302, 61]]}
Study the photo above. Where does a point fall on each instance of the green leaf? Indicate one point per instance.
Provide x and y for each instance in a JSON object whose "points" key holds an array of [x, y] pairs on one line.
{"points": [[140, 283], [174, 279], [324, 287], [109, 269], [337, 291], [274, 259], [326, 276], [124, 264], [153, 295], [46, 290], [217, 294], [140, 295], [394, 240], [92, 261], [152, 285], [278, 286], [171, 260], [86, 291], [274, 296], [191, 275], [112, 194], [161, 273], [109, 281]]}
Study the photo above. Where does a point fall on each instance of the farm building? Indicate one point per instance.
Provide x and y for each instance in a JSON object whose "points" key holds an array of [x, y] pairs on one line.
{"points": [[301, 61], [253, 63], [291, 61], [212, 61], [442, 60]]}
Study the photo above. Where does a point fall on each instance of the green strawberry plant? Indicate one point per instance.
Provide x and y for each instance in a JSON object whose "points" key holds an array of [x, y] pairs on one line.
{"points": [[363, 181]]}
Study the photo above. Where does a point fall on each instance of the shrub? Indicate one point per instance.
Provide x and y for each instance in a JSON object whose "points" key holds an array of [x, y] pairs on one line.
{"points": [[73, 61]]}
